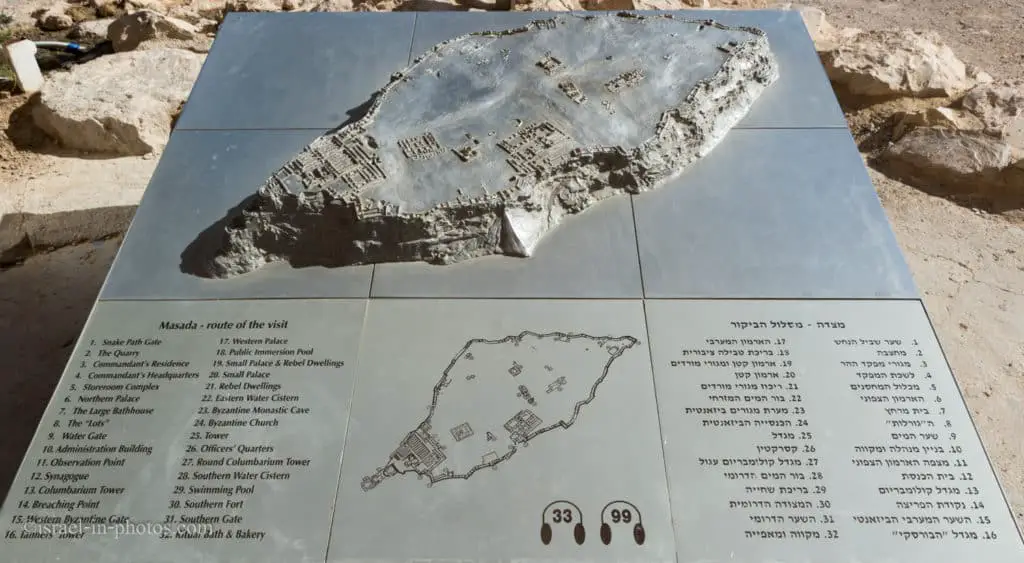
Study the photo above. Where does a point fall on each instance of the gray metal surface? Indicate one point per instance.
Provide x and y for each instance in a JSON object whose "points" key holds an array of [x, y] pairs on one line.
{"points": [[771, 214], [274, 513], [283, 71], [611, 451], [589, 255], [794, 431], [201, 175]]}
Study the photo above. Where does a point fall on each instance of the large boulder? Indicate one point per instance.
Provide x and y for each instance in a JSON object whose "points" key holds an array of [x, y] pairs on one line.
{"points": [[118, 104], [896, 63], [969, 167], [972, 151], [147, 29]]}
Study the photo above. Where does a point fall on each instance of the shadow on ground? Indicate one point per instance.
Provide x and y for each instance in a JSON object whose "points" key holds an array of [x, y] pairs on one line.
{"points": [[26, 136], [44, 303], [23, 235]]}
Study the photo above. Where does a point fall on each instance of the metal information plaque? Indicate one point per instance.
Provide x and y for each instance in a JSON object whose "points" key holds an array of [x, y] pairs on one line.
{"points": [[191, 431], [732, 368]]}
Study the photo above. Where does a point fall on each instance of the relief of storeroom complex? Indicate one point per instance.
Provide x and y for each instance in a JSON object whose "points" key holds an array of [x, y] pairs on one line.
{"points": [[489, 140]]}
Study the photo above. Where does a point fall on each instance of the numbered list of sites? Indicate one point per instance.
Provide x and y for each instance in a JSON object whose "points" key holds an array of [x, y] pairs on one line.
{"points": [[184, 430], [831, 424]]}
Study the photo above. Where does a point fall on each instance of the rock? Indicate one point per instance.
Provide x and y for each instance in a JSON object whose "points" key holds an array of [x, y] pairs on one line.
{"points": [[896, 63], [120, 104], [333, 6], [93, 31], [997, 105], [106, 8], [615, 5], [977, 75], [162, 6], [966, 166], [546, 5], [134, 31], [114, 8], [944, 117], [53, 19], [253, 5]]}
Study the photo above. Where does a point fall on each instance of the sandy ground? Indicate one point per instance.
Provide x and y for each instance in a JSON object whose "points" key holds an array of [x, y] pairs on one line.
{"points": [[968, 266]]}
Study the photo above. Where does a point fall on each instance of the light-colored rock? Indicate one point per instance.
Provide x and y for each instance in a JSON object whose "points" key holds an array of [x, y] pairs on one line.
{"points": [[120, 104], [53, 19], [114, 8], [22, 57], [546, 5], [615, 5], [333, 6], [93, 31], [147, 29], [947, 118], [966, 166], [1013, 135], [895, 63], [997, 105], [253, 5], [977, 75]]}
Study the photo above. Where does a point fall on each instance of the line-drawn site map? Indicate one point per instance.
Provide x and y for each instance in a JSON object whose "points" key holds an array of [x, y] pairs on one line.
{"points": [[496, 396]]}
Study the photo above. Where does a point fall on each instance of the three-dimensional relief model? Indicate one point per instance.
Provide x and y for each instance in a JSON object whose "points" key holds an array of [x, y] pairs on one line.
{"points": [[496, 396], [486, 142]]}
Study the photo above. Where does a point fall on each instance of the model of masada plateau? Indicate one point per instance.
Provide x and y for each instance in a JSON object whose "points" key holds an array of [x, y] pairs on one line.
{"points": [[488, 141]]}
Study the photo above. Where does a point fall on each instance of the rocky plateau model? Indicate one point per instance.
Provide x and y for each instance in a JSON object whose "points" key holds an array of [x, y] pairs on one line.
{"points": [[488, 141]]}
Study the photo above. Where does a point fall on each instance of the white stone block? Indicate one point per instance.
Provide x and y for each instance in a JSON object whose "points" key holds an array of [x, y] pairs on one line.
{"points": [[22, 55]]}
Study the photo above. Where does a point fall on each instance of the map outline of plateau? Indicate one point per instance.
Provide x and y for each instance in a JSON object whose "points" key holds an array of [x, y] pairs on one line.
{"points": [[457, 439], [488, 141]]}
